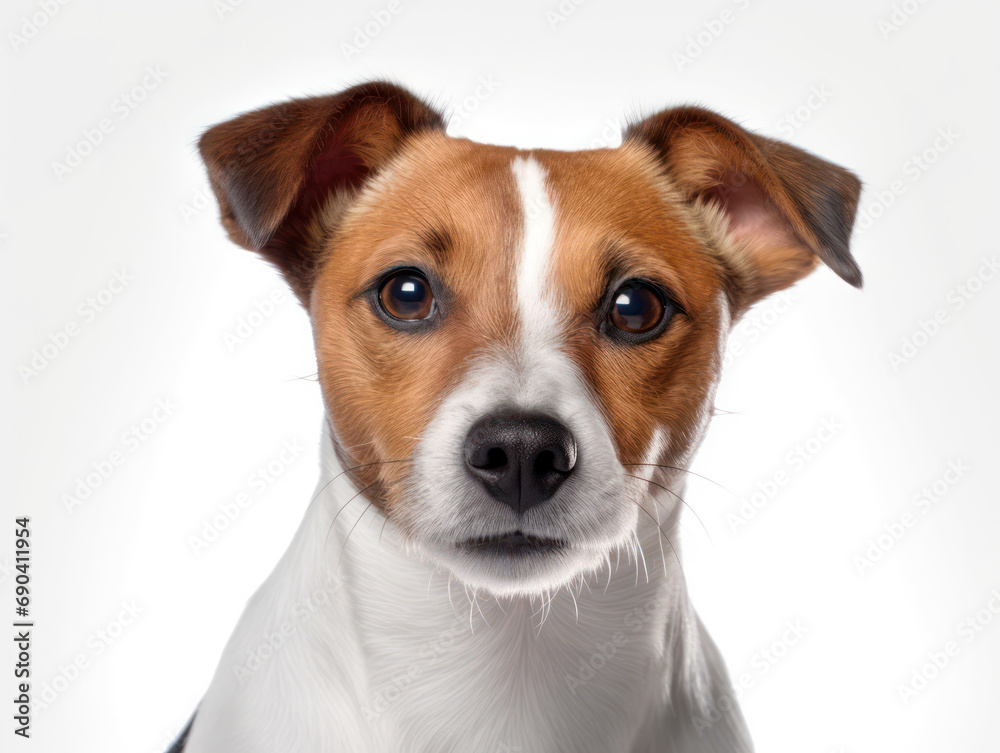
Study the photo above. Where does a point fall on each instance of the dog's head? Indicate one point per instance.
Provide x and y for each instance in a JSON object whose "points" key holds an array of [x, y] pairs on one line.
{"points": [[507, 338]]}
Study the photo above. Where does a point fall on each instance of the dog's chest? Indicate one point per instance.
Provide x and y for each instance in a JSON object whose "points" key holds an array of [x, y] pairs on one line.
{"points": [[457, 674], [388, 656]]}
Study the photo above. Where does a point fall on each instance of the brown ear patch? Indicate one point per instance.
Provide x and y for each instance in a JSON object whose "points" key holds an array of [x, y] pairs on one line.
{"points": [[784, 207], [273, 169]]}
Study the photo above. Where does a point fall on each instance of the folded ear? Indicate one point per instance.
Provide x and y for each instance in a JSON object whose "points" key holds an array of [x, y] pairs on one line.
{"points": [[274, 169], [784, 207]]}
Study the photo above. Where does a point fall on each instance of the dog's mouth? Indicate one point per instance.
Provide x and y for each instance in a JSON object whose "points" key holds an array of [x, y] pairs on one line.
{"points": [[517, 562], [514, 544]]}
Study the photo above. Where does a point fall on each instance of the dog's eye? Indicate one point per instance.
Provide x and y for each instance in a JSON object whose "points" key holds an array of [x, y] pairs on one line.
{"points": [[407, 296], [637, 308]]}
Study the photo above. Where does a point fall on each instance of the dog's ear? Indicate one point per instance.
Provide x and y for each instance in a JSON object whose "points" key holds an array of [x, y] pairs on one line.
{"points": [[273, 169], [785, 208]]}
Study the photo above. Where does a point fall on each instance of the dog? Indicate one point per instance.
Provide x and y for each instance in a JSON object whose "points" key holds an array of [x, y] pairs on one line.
{"points": [[518, 352]]}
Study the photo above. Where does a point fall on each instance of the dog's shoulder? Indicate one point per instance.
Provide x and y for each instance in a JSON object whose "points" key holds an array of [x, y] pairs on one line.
{"points": [[701, 713]]}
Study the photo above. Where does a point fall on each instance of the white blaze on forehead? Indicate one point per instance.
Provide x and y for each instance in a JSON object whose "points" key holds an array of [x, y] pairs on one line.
{"points": [[533, 269], [536, 375]]}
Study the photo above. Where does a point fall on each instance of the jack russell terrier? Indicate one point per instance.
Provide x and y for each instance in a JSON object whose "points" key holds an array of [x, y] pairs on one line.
{"points": [[518, 352]]}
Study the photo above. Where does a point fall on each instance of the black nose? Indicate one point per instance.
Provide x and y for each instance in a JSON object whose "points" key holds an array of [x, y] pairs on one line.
{"points": [[521, 458]]}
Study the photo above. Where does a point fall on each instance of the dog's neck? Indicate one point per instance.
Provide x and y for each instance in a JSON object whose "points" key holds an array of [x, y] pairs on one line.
{"points": [[413, 660]]}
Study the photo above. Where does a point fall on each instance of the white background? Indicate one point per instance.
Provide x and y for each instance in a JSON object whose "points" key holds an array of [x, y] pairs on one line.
{"points": [[135, 202]]}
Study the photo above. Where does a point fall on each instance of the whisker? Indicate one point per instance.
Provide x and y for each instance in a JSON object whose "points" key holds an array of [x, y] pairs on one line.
{"points": [[385, 519], [541, 612], [679, 498], [343, 549], [659, 533], [378, 462], [531, 602], [326, 540], [665, 536], [635, 563], [344, 507], [348, 470], [541, 604], [638, 546], [472, 608], [677, 557], [682, 470], [576, 607], [480, 610], [545, 610]]}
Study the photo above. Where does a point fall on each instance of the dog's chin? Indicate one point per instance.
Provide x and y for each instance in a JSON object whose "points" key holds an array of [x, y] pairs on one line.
{"points": [[518, 564]]}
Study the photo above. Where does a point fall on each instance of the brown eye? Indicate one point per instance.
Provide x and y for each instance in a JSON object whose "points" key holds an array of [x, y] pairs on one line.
{"points": [[407, 296], [636, 307]]}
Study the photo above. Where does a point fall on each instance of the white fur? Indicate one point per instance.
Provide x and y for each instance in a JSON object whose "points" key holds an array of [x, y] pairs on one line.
{"points": [[373, 636], [534, 375], [534, 293], [382, 651]]}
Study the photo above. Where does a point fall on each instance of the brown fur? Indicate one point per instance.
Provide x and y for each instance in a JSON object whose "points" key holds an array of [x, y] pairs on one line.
{"points": [[615, 225], [343, 188], [272, 169], [809, 203]]}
